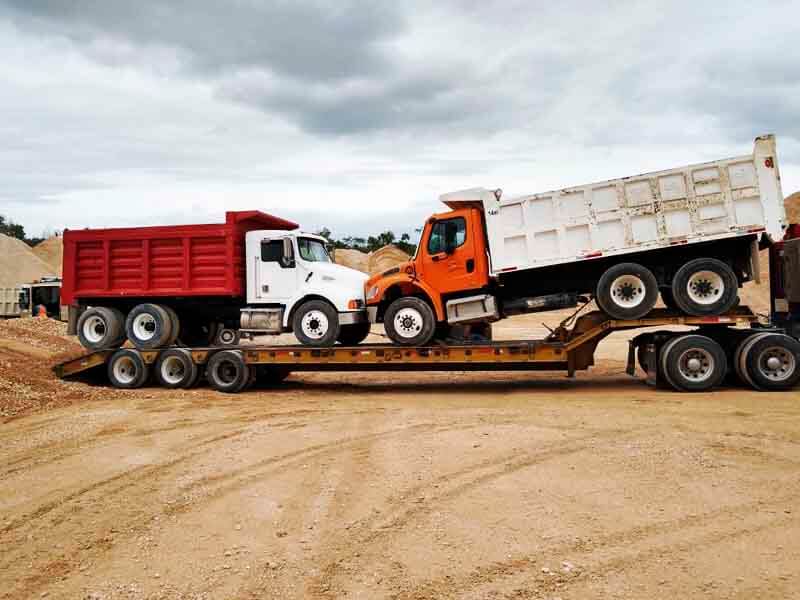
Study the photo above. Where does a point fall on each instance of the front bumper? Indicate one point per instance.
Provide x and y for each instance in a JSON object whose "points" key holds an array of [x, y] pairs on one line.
{"points": [[353, 317]]}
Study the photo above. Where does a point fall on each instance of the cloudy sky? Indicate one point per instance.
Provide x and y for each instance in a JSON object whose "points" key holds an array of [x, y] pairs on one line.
{"points": [[357, 115]]}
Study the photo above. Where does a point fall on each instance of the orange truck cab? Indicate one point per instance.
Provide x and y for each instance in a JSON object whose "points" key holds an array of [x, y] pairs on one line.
{"points": [[451, 262]]}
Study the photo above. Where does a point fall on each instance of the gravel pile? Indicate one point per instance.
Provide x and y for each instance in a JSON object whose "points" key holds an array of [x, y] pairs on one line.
{"points": [[28, 350]]}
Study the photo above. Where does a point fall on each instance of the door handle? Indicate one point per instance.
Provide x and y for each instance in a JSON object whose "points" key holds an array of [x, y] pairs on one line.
{"points": [[438, 257]]}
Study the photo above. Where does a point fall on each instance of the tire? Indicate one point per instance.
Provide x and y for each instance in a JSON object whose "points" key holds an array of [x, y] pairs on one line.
{"points": [[227, 372], [175, 369], [627, 291], [739, 364], [693, 363], [127, 369], [352, 335], [101, 328], [410, 322], [316, 323], [227, 336], [148, 326], [175, 325], [705, 286], [773, 362]]}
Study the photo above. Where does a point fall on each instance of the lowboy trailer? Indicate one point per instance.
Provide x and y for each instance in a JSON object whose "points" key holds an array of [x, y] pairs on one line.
{"points": [[761, 357]]}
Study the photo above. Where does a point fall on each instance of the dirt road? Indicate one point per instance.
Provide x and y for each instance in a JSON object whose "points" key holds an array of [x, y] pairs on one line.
{"points": [[403, 486]]}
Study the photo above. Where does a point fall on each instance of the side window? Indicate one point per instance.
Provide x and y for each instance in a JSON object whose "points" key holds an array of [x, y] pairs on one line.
{"points": [[271, 250], [437, 242]]}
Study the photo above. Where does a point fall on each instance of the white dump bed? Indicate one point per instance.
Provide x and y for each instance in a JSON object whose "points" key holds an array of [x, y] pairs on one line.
{"points": [[721, 199], [9, 302]]}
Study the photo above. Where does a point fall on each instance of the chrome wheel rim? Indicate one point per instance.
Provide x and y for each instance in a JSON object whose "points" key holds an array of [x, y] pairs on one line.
{"points": [[705, 287], [696, 364], [627, 291], [776, 363]]}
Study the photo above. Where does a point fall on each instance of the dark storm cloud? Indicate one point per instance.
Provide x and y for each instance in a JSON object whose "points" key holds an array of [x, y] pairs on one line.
{"points": [[308, 40]]}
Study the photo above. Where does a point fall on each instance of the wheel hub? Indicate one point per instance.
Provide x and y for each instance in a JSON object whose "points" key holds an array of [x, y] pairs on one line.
{"points": [[705, 287], [315, 324], [696, 364], [627, 291], [777, 363], [408, 322]]}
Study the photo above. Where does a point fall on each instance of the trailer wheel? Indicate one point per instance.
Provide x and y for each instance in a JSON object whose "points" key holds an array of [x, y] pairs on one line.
{"points": [[352, 335], [410, 321], [316, 323], [693, 363], [101, 328], [772, 362], [176, 369], [705, 286], [175, 325], [227, 372], [627, 291], [127, 369], [739, 364], [148, 326]]}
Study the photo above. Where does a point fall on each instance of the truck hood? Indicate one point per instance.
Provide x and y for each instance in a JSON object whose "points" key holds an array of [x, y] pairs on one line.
{"points": [[339, 273], [400, 268]]}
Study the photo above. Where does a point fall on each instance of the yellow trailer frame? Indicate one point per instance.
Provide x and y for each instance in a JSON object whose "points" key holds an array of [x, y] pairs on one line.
{"points": [[565, 349]]}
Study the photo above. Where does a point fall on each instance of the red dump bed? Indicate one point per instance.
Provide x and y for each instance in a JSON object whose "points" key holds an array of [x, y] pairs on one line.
{"points": [[179, 260]]}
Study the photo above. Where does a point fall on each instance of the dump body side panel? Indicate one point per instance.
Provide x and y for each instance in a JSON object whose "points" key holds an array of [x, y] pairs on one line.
{"points": [[715, 200], [163, 261]]}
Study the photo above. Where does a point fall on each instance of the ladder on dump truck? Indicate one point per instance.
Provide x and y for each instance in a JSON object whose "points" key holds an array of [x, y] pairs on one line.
{"points": [[696, 360]]}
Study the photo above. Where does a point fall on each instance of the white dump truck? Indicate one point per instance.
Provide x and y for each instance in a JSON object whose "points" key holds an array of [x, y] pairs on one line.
{"points": [[689, 232]]}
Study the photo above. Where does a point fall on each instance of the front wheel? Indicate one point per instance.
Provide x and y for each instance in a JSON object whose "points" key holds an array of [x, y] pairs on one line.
{"points": [[316, 323], [410, 322]]}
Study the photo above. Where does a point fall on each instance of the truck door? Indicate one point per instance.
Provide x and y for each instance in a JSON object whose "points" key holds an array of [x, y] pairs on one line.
{"points": [[449, 256], [276, 273]]}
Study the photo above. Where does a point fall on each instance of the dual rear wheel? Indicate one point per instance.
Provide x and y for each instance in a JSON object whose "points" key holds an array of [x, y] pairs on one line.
{"points": [[701, 287]]}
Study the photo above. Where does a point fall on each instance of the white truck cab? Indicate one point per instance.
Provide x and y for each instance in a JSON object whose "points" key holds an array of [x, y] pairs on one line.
{"points": [[294, 286]]}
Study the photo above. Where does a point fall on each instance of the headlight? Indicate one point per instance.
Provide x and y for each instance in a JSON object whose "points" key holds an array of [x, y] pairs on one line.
{"points": [[373, 291]]}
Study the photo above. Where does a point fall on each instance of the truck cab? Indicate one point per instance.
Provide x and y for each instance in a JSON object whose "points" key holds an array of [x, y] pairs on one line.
{"points": [[445, 281], [293, 285]]}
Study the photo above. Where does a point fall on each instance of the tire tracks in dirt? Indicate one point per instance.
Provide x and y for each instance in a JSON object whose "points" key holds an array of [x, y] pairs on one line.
{"points": [[460, 585], [398, 514]]}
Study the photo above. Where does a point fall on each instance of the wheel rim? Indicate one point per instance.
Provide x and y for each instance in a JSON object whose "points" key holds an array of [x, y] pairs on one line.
{"points": [[125, 370], [408, 322], [227, 336], [628, 291], [94, 329], [173, 370], [696, 364], [227, 372], [705, 287], [776, 363], [144, 327], [315, 324]]}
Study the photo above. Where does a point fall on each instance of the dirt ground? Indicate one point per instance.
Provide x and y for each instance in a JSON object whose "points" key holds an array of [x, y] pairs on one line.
{"points": [[403, 486]]}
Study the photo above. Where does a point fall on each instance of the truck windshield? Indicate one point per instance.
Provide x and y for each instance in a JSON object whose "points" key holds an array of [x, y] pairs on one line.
{"points": [[312, 250]]}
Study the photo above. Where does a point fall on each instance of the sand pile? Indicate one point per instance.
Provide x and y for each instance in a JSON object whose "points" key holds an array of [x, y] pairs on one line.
{"points": [[18, 263], [792, 204], [355, 259], [385, 258], [28, 350], [51, 251]]}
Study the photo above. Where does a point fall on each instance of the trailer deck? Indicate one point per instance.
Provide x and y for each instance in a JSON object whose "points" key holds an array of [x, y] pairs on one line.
{"points": [[568, 349]]}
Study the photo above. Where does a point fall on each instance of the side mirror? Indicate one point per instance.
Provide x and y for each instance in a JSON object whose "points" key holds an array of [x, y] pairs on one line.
{"points": [[450, 232], [287, 259]]}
